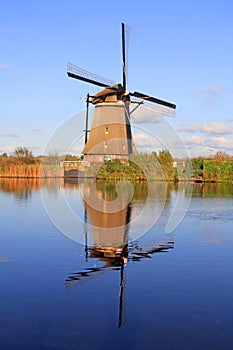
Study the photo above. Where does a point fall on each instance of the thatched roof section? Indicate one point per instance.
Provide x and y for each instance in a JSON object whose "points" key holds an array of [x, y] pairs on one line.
{"points": [[110, 94]]}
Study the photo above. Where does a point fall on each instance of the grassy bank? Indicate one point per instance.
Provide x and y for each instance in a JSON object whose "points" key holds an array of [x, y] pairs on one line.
{"points": [[141, 167], [163, 167]]}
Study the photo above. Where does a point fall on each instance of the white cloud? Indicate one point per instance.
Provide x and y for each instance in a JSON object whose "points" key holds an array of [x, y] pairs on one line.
{"points": [[11, 134], [188, 128], [143, 140], [201, 145], [222, 142], [142, 115], [215, 128], [149, 113], [3, 66], [7, 149], [213, 94], [214, 90], [37, 130], [194, 140]]}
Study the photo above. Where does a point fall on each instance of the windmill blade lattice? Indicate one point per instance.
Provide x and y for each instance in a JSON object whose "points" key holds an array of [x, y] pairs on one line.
{"points": [[82, 74], [158, 110]]}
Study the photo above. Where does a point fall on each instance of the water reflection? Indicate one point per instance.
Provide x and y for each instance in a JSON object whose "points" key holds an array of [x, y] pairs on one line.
{"points": [[20, 188], [111, 245], [23, 188], [168, 294], [116, 262], [208, 190]]}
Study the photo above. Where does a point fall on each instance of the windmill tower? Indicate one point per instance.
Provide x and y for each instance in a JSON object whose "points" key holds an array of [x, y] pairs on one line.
{"points": [[110, 136]]}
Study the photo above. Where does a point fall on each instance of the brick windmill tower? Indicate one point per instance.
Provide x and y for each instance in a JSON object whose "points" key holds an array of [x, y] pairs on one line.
{"points": [[110, 136]]}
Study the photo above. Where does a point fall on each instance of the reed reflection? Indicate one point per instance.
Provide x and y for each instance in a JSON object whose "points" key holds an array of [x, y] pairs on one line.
{"points": [[22, 188]]}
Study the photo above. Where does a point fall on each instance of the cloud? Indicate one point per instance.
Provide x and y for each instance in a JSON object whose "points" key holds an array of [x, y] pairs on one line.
{"points": [[213, 94], [3, 66], [215, 128], [194, 140], [149, 113], [143, 140], [11, 134], [37, 130], [7, 149], [142, 115], [208, 145], [222, 142], [213, 90], [189, 128], [204, 144]]}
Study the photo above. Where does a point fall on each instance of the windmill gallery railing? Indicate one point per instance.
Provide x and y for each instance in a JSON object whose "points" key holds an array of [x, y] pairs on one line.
{"points": [[74, 163]]}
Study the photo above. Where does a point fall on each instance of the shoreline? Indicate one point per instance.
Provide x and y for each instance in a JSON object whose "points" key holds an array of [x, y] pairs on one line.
{"points": [[196, 170], [117, 178]]}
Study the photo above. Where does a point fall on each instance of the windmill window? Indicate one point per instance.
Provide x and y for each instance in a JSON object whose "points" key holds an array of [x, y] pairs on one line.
{"points": [[105, 144], [123, 147], [106, 130]]}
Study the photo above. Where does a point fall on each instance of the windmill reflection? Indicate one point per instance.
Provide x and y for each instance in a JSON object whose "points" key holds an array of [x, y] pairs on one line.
{"points": [[110, 234]]}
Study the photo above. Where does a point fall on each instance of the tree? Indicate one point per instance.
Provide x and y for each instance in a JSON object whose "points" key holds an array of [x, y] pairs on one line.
{"points": [[22, 152], [4, 155], [219, 155], [166, 161], [165, 158]]}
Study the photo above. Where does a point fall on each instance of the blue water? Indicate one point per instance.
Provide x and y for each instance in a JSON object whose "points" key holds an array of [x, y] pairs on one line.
{"points": [[174, 292]]}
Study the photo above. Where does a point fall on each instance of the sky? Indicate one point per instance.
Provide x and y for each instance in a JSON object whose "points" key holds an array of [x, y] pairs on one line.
{"points": [[178, 51]]}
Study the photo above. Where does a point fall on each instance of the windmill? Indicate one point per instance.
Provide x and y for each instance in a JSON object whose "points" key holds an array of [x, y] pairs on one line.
{"points": [[110, 136]]}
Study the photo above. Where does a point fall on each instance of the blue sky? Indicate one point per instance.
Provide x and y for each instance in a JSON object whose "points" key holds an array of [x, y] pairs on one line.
{"points": [[179, 51]]}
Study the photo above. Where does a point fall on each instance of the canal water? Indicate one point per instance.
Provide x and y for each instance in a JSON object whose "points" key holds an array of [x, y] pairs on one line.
{"points": [[87, 265]]}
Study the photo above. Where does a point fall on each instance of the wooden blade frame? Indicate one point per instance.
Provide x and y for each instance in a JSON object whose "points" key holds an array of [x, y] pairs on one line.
{"points": [[153, 99], [123, 55], [81, 74]]}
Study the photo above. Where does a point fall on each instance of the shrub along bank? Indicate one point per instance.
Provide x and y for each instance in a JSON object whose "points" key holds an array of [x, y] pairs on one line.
{"points": [[141, 167], [212, 170]]}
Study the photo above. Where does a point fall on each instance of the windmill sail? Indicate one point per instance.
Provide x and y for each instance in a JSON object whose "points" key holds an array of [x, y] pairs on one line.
{"points": [[123, 55], [81, 74], [153, 99]]}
